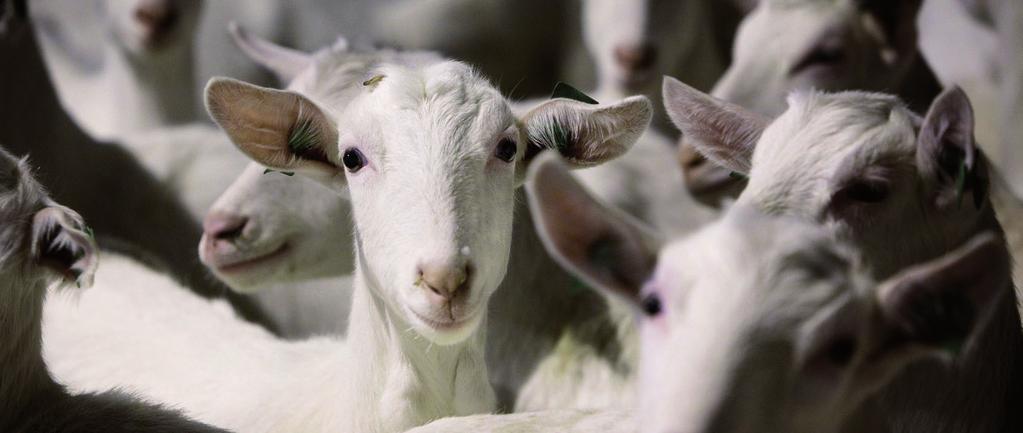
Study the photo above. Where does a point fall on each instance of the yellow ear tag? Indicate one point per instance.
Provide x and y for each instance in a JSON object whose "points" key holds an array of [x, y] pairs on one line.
{"points": [[373, 82]]}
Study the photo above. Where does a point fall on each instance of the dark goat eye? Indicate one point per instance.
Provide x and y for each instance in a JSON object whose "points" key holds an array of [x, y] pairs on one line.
{"points": [[866, 192], [651, 305], [353, 160], [825, 55], [506, 150]]}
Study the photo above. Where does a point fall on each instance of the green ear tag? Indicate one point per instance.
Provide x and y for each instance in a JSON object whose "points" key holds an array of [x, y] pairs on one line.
{"points": [[562, 90], [737, 175], [961, 182], [88, 231], [286, 173], [302, 137], [372, 82], [953, 346], [560, 136]]}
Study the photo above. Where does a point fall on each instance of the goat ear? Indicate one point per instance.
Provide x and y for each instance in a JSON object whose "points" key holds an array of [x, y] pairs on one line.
{"points": [[279, 129], [947, 153], [62, 243], [603, 247], [585, 134], [724, 132], [933, 308], [285, 63], [896, 20]]}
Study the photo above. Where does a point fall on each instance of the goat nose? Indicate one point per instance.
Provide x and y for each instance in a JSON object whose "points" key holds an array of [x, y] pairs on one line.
{"points": [[445, 279], [636, 57], [157, 15], [224, 226]]}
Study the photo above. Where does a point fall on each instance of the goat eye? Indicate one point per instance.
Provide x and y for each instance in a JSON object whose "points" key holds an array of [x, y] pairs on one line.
{"points": [[826, 55], [506, 150], [651, 305], [866, 192], [353, 160]]}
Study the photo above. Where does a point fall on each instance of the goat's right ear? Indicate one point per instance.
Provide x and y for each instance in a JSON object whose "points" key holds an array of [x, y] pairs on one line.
{"points": [[723, 132], [62, 243], [279, 129], [602, 247], [285, 63]]}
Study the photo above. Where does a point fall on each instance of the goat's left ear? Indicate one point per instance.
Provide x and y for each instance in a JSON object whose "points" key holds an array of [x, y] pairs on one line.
{"points": [[603, 247], [947, 153], [934, 308], [62, 243], [279, 129], [584, 134]]}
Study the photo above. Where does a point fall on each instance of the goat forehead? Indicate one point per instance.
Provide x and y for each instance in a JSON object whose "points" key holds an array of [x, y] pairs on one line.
{"points": [[765, 271], [446, 107], [819, 132]]}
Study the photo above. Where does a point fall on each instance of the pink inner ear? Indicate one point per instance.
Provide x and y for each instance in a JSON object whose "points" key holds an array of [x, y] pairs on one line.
{"points": [[724, 133], [58, 244], [946, 298]]}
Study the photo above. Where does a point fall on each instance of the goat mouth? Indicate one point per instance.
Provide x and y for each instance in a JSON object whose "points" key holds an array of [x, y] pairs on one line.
{"points": [[248, 262], [446, 324]]}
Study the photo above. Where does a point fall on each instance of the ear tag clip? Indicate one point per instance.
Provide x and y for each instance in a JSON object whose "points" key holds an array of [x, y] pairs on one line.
{"points": [[562, 90], [373, 82], [286, 173]]}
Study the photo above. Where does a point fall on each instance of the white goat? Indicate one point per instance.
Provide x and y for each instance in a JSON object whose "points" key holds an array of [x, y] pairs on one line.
{"points": [[904, 190], [42, 243], [632, 44], [141, 89], [1006, 18], [144, 75], [788, 45], [430, 135], [801, 336], [100, 180], [531, 346]]}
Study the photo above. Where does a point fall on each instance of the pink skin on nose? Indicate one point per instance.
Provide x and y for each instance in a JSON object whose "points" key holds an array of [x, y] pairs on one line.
{"points": [[223, 226], [156, 19]]}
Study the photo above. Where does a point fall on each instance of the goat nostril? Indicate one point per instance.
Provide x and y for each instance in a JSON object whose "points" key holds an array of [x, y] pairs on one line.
{"points": [[227, 227], [158, 17], [444, 280], [689, 157], [636, 57]]}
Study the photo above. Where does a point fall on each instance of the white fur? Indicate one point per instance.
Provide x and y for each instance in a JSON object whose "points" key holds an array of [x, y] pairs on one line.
{"points": [[43, 244], [554, 421], [647, 184], [822, 143], [132, 84], [427, 130], [684, 36], [196, 161]]}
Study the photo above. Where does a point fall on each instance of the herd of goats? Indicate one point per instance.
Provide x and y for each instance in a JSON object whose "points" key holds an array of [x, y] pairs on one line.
{"points": [[740, 216]]}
